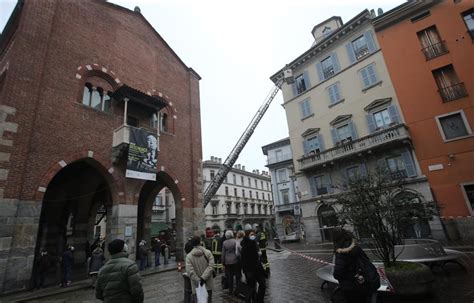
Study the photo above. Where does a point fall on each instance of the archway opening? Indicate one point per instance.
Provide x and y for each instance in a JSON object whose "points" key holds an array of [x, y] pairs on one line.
{"points": [[74, 213], [159, 215]]}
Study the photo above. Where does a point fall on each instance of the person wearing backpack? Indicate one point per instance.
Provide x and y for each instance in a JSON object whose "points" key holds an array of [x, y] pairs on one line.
{"points": [[357, 276]]}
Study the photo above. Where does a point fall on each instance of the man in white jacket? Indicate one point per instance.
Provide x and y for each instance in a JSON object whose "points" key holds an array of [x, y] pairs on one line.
{"points": [[200, 267]]}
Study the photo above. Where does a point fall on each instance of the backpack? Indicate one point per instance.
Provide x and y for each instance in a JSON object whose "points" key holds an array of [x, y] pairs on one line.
{"points": [[366, 278]]}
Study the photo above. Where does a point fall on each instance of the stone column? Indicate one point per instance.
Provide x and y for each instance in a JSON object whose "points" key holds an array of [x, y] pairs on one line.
{"points": [[122, 219]]}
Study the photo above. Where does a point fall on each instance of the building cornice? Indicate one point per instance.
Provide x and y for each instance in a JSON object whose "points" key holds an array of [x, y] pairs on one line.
{"points": [[341, 33], [210, 164], [276, 144]]}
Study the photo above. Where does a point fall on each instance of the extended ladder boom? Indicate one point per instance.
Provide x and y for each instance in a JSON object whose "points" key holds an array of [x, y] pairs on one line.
{"points": [[216, 182]]}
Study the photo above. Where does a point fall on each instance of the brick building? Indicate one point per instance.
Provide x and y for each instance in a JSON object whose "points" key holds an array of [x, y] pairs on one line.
{"points": [[75, 77], [432, 76]]}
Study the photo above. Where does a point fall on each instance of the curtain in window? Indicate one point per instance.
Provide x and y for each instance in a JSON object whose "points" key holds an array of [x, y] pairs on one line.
{"points": [[429, 37]]}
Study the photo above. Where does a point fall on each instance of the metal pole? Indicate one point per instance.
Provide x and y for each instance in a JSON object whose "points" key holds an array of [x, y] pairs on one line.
{"points": [[125, 111]]}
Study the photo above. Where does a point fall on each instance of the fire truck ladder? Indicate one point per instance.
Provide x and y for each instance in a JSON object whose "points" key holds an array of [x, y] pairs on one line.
{"points": [[216, 182]]}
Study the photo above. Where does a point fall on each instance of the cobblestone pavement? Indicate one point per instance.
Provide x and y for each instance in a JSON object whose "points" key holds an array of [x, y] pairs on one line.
{"points": [[293, 279]]}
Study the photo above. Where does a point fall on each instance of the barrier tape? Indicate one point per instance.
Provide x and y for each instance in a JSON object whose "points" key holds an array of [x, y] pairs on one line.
{"points": [[380, 270]]}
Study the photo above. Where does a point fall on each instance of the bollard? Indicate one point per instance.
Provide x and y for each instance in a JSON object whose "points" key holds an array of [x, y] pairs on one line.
{"points": [[276, 242], [188, 292], [167, 254]]}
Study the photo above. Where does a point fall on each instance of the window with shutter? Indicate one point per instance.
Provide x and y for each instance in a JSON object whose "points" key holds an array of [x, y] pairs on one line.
{"points": [[328, 67], [334, 93], [300, 84], [305, 109], [369, 75]]}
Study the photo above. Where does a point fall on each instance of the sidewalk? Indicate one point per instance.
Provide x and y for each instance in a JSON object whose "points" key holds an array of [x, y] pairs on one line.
{"points": [[83, 284]]}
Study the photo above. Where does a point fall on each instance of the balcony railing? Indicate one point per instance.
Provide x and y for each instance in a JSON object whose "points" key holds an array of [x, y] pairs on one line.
{"points": [[361, 52], [453, 92], [279, 158], [435, 50], [379, 138], [328, 72]]}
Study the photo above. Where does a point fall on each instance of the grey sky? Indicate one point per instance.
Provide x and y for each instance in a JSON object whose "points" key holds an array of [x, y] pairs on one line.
{"points": [[236, 46]]}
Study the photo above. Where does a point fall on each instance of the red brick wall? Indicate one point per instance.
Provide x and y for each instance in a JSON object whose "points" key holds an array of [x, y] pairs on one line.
{"points": [[53, 40]]}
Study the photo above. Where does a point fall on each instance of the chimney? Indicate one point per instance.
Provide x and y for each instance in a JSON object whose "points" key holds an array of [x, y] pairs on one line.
{"points": [[372, 13], [379, 11], [243, 167], [220, 160], [212, 158], [137, 9]]}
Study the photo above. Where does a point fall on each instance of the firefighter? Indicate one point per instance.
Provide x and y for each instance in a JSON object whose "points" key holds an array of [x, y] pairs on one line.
{"points": [[262, 243], [216, 249]]}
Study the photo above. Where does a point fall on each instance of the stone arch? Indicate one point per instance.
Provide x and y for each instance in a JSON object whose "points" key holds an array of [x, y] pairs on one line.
{"points": [[147, 194], [72, 195], [97, 161]]}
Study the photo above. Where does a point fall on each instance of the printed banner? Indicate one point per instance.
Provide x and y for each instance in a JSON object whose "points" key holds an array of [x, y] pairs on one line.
{"points": [[142, 155]]}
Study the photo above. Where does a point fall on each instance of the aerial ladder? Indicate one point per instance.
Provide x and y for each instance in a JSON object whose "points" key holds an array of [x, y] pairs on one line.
{"points": [[229, 162]]}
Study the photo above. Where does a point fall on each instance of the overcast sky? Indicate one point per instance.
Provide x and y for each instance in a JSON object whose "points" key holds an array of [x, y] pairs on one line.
{"points": [[236, 46]]}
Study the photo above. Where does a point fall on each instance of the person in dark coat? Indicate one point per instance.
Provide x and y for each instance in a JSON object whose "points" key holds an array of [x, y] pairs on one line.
{"points": [[142, 254], [96, 262], [156, 248], [188, 246], [252, 265], [346, 266], [43, 263], [119, 279], [67, 261]]}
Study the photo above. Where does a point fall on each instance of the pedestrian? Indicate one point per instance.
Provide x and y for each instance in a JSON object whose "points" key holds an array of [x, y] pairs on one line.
{"points": [[67, 260], [238, 239], [156, 248], [43, 263], [119, 279], [357, 276], [200, 267], [142, 254], [262, 243], [230, 260], [188, 246], [216, 246], [96, 262], [252, 266]]}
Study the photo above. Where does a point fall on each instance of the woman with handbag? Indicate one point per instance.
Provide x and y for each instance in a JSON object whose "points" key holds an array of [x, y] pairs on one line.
{"points": [[357, 276], [200, 268]]}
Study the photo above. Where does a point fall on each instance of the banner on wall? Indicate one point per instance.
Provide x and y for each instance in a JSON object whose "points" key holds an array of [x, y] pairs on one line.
{"points": [[142, 155]]}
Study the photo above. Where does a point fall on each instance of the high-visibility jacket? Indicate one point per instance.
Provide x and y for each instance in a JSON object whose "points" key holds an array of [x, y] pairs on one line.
{"points": [[216, 248]]}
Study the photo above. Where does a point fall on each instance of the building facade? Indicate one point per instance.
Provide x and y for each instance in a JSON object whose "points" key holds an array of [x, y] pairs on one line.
{"points": [[287, 209], [433, 79], [76, 80], [243, 198], [164, 212], [344, 120]]}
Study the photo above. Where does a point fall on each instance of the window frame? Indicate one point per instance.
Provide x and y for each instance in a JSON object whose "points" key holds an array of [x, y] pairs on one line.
{"points": [[466, 198], [383, 119], [357, 54], [463, 15], [334, 90], [305, 109], [375, 75], [300, 80], [463, 118]]}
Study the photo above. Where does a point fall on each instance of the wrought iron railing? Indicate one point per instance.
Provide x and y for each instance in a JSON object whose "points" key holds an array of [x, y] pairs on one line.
{"points": [[435, 50], [453, 92]]}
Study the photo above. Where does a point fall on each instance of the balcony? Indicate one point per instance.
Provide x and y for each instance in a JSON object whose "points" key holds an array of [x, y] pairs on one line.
{"points": [[121, 135], [397, 133], [453, 92], [435, 50], [278, 159], [361, 52], [328, 72]]}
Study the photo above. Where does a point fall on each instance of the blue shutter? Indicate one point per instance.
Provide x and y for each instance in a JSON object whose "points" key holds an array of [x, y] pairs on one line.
{"points": [[353, 130], [394, 116], [371, 123], [312, 185], [372, 73], [305, 147], [337, 93], [332, 95], [295, 91], [321, 142], [365, 77], [335, 138], [319, 69], [306, 80], [327, 181], [409, 165], [369, 39], [363, 170], [350, 52], [335, 63]]}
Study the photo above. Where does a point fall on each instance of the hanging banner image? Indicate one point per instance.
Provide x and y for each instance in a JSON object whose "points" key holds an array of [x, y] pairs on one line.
{"points": [[142, 155]]}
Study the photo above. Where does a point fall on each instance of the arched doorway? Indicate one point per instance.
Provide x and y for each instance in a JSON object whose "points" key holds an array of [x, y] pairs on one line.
{"points": [[147, 212], [327, 221], [74, 212], [418, 227]]}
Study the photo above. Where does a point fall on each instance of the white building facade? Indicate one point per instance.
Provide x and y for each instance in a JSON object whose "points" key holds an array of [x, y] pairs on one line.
{"points": [[287, 209], [243, 198], [344, 120], [163, 212]]}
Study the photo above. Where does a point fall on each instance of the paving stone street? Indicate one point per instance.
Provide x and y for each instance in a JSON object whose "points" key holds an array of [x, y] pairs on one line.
{"points": [[293, 279]]}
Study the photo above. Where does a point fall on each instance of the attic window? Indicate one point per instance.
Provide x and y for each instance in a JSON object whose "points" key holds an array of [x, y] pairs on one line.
{"points": [[420, 16]]}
